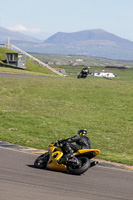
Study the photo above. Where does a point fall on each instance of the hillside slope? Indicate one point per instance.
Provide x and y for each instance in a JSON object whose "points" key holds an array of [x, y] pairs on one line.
{"points": [[87, 35], [31, 66], [15, 37], [96, 43]]}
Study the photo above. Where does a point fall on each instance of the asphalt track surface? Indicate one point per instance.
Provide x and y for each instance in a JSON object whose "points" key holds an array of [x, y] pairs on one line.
{"points": [[6, 74], [19, 180]]}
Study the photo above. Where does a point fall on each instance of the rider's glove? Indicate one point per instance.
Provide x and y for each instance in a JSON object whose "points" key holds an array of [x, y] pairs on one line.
{"points": [[61, 142]]}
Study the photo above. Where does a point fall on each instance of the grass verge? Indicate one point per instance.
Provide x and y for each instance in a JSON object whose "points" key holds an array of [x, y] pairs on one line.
{"points": [[34, 112]]}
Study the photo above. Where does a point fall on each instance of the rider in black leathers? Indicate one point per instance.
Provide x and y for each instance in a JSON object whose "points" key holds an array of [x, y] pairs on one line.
{"points": [[84, 73], [81, 140], [86, 70]]}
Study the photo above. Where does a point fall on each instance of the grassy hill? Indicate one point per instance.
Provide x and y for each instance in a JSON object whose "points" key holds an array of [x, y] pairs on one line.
{"points": [[86, 60], [3, 52], [31, 67], [34, 112]]}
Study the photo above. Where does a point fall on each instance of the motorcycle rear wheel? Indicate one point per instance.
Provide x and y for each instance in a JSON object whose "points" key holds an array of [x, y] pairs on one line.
{"points": [[41, 161], [85, 164]]}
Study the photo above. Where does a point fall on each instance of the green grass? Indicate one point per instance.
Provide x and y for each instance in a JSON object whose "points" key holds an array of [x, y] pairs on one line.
{"points": [[122, 74], [86, 60], [34, 112], [3, 52], [35, 67], [31, 67]]}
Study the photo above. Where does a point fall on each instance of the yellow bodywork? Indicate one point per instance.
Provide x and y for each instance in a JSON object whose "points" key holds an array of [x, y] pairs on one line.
{"points": [[87, 150], [54, 156], [56, 153]]}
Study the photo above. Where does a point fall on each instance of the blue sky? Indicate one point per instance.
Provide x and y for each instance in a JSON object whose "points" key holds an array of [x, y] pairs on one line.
{"points": [[42, 18]]}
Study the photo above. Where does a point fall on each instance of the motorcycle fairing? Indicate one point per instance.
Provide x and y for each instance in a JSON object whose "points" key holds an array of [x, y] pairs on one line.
{"points": [[55, 154], [89, 152]]}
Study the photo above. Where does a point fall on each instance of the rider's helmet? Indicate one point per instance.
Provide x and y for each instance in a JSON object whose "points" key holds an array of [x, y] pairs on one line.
{"points": [[82, 132]]}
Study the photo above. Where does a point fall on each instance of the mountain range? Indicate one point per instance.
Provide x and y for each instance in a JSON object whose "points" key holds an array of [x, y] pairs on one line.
{"points": [[97, 43], [15, 37]]}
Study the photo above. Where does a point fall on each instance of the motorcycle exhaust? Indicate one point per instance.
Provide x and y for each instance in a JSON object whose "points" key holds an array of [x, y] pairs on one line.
{"points": [[93, 163]]}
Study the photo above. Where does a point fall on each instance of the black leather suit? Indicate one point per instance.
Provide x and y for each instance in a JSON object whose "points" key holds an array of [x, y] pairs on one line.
{"points": [[85, 71], [82, 142]]}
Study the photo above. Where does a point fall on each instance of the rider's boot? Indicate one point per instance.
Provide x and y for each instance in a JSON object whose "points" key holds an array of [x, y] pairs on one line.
{"points": [[73, 159], [69, 157], [69, 154], [66, 157]]}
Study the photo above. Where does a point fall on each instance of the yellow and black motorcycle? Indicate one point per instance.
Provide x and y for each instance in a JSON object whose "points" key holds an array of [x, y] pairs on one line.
{"points": [[53, 160]]}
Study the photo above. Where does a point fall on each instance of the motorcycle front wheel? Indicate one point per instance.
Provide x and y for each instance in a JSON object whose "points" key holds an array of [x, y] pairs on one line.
{"points": [[79, 169], [41, 161], [79, 76]]}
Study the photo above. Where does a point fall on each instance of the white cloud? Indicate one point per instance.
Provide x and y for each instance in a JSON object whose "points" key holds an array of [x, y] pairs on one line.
{"points": [[22, 28], [34, 32]]}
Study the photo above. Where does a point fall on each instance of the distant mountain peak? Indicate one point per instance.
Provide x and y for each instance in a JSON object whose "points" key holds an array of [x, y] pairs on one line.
{"points": [[86, 35], [95, 42]]}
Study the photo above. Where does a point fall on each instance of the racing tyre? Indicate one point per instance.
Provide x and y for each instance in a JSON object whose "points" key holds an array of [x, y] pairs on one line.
{"points": [[83, 167], [80, 75], [41, 161]]}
